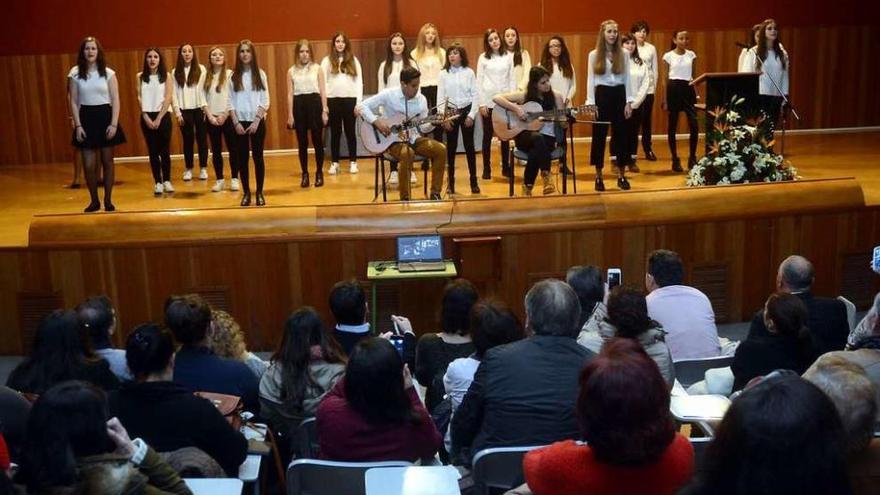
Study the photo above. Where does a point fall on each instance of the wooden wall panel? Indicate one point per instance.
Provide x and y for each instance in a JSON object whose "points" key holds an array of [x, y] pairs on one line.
{"points": [[831, 74]]}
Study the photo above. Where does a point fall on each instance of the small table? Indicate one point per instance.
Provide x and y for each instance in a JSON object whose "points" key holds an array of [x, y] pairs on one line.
{"points": [[214, 486], [701, 409], [383, 271], [412, 480]]}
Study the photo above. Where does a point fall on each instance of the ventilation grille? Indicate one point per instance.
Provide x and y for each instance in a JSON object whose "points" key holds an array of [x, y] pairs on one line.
{"points": [[216, 296], [711, 279], [857, 279], [32, 308]]}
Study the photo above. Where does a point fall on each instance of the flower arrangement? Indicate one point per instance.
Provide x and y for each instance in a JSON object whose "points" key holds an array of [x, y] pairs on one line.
{"points": [[740, 152]]}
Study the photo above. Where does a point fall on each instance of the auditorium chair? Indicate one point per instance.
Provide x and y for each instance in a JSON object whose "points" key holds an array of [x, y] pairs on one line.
{"points": [[690, 371], [315, 477], [558, 155], [499, 468], [699, 444], [380, 173], [307, 446]]}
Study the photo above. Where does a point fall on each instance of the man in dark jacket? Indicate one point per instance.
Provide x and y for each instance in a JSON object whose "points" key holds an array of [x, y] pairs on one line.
{"points": [[524, 393], [827, 321]]}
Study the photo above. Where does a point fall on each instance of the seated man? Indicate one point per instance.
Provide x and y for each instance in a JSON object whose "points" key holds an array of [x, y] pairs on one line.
{"points": [[195, 365], [524, 393], [684, 312], [348, 303], [408, 102], [99, 317]]}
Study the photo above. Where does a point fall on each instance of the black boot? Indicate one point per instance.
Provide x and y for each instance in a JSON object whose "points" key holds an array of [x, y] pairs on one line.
{"points": [[676, 165], [246, 199], [305, 180], [487, 173], [475, 188], [261, 201]]}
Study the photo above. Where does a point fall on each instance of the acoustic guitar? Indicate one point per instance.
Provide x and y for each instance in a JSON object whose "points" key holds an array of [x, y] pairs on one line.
{"points": [[508, 125], [376, 143]]}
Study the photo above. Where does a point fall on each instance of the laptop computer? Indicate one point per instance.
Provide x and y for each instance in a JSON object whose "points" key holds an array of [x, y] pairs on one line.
{"points": [[420, 253]]}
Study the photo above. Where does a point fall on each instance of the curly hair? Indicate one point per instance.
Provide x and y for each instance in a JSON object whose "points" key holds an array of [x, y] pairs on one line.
{"points": [[227, 339]]}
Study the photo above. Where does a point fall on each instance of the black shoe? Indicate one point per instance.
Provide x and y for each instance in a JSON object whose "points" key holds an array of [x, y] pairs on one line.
{"points": [[261, 201], [622, 183], [435, 196], [634, 168], [93, 206], [475, 188], [692, 162], [505, 172], [487, 173], [676, 165], [246, 199], [319, 178], [75, 185], [600, 185], [305, 181], [108, 206], [650, 156]]}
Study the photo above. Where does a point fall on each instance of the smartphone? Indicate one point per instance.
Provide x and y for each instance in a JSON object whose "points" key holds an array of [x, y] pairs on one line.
{"points": [[614, 278], [875, 261], [397, 342]]}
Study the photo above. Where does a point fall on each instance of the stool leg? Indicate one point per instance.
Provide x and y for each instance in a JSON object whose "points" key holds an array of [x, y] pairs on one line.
{"points": [[512, 173], [376, 178], [382, 173], [574, 182], [563, 166], [425, 182]]}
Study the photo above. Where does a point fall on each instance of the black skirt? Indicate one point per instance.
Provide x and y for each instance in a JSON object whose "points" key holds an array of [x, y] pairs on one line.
{"points": [[94, 120], [680, 95], [307, 111]]}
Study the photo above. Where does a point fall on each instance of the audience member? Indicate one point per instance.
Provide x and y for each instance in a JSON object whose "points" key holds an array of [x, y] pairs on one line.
{"points": [[587, 284], [305, 367], [73, 446], [782, 435], [348, 303], [524, 393], [827, 321], [631, 444], [61, 352], [98, 316], [227, 341], [14, 411], [196, 366], [869, 326], [436, 350], [685, 313], [166, 414], [865, 354], [786, 344], [374, 412]]}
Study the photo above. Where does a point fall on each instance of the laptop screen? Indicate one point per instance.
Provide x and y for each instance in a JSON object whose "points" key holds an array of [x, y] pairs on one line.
{"points": [[419, 248]]}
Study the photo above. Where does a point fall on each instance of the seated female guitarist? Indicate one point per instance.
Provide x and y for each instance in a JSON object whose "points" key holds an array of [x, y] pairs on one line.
{"points": [[405, 102], [539, 144]]}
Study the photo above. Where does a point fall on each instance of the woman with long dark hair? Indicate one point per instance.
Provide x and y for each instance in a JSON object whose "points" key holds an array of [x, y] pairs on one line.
{"points": [[190, 108], [374, 413], [250, 104], [155, 96], [556, 60], [345, 89], [458, 86], [397, 57], [305, 366], [495, 75], [769, 57], [522, 61]]}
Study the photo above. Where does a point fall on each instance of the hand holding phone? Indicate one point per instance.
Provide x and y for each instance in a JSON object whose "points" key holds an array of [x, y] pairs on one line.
{"points": [[614, 278]]}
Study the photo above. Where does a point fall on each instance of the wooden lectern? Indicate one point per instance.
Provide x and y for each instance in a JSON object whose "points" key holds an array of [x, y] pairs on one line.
{"points": [[721, 87]]}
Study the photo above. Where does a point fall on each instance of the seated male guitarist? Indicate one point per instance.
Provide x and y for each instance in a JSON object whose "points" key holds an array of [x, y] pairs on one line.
{"points": [[407, 102]]}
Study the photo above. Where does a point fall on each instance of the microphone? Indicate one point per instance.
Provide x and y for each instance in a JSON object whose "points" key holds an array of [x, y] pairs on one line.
{"points": [[742, 45]]}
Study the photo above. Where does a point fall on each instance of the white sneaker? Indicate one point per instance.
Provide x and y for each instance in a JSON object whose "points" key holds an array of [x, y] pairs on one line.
{"points": [[413, 177], [334, 168], [218, 186], [235, 185], [188, 174], [393, 178], [353, 168], [203, 174], [168, 187], [158, 189]]}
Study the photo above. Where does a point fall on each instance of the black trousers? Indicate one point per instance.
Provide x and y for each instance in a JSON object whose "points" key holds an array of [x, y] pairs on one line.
{"points": [[681, 97], [467, 133], [158, 141], [646, 116], [342, 116], [539, 146], [251, 144], [430, 93], [307, 112], [633, 123], [217, 134], [488, 132], [610, 102], [772, 106], [194, 128]]}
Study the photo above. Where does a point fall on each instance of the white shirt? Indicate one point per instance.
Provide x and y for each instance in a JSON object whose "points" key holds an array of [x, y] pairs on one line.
{"points": [[494, 76], [609, 78], [686, 315], [681, 67], [740, 66], [521, 72], [772, 67], [459, 84], [94, 90], [218, 102], [393, 103], [563, 85], [341, 85], [247, 101], [458, 378], [394, 77], [305, 78], [152, 94], [188, 97], [648, 54], [430, 67], [640, 80]]}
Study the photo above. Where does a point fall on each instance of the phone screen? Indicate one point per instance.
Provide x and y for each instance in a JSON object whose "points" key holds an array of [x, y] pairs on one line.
{"points": [[613, 278], [875, 261], [397, 341]]}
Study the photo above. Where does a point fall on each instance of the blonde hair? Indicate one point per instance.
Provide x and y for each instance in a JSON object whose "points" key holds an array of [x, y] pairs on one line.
{"points": [[303, 43], [601, 53], [420, 43], [221, 78], [227, 339]]}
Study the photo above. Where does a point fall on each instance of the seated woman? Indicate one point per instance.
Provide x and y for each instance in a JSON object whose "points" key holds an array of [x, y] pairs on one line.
{"points": [[227, 341], [374, 413], [786, 346], [538, 144], [166, 414], [62, 351], [631, 444], [782, 435], [306, 365], [628, 316], [587, 284], [74, 446]]}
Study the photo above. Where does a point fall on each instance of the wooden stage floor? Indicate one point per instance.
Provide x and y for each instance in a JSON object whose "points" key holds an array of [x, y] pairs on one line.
{"points": [[29, 190]]}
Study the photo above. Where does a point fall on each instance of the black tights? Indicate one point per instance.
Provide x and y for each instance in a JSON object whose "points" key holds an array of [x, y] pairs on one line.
{"points": [[302, 140], [194, 129], [90, 158], [488, 131], [218, 134], [691, 115], [248, 144], [467, 133]]}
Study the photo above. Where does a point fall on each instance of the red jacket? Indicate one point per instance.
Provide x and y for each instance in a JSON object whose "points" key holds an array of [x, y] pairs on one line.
{"points": [[345, 435]]}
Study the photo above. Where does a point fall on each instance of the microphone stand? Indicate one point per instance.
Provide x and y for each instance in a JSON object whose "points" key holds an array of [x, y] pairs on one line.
{"points": [[785, 101]]}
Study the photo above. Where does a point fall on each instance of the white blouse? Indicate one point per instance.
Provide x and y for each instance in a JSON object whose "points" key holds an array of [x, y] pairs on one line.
{"points": [[94, 89], [188, 97], [681, 67], [394, 77], [640, 79], [430, 67], [609, 78], [494, 76], [521, 72], [459, 84], [152, 94], [305, 79], [247, 101], [772, 67], [218, 102], [563, 85], [648, 54], [341, 85]]}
